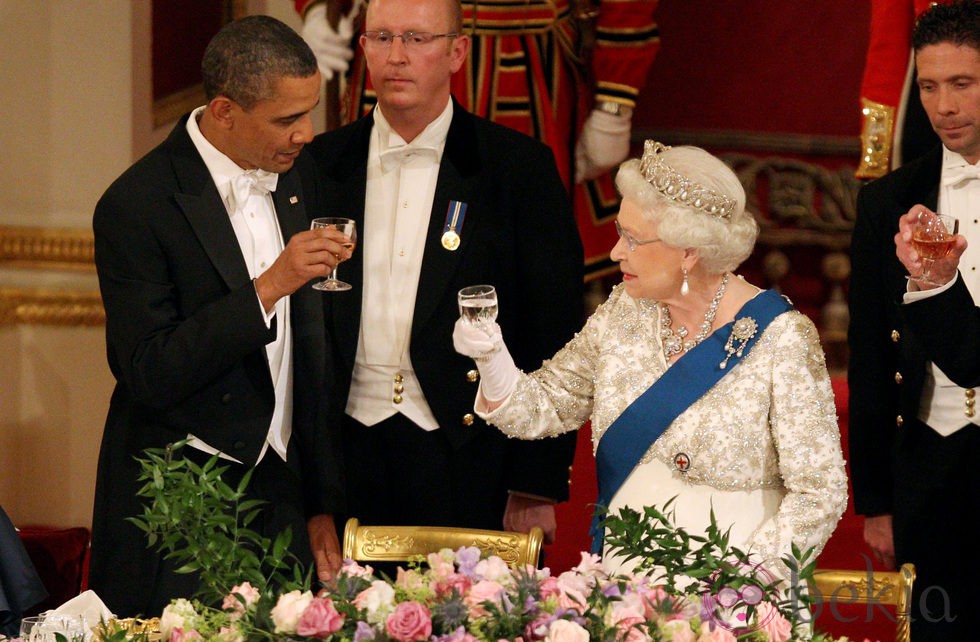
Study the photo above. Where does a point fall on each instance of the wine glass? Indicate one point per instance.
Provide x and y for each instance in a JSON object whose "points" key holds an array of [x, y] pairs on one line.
{"points": [[348, 227], [478, 305], [932, 239], [42, 628]]}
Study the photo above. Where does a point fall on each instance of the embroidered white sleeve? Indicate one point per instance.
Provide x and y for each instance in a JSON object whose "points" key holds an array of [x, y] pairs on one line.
{"points": [[803, 425]]}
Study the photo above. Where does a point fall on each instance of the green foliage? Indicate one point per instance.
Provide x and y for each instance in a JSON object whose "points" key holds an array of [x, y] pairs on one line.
{"points": [[674, 557], [201, 523]]}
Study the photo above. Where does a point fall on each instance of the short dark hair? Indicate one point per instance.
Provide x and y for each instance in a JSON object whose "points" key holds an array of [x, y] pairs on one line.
{"points": [[247, 57], [956, 23]]}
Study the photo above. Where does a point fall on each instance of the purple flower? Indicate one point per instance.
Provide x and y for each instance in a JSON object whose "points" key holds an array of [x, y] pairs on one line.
{"points": [[612, 590], [506, 603], [364, 633], [467, 558]]}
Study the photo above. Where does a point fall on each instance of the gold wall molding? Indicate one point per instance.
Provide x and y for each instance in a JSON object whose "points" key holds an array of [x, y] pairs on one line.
{"points": [[47, 248], [50, 307]]}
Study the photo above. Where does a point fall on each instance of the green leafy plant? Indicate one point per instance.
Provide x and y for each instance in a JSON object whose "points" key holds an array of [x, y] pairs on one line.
{"points": [[651, 539], [201, 523]]}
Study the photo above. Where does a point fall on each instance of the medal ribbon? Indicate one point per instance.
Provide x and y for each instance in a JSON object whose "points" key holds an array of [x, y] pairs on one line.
{"points": [[454, 217]]}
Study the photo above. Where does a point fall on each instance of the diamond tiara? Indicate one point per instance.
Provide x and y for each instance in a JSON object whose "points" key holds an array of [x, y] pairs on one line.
{"points": [[677, 187]]}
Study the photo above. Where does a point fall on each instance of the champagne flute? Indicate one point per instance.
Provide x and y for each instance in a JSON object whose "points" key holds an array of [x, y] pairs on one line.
{"points": [[478, 305], [348, 227], [932, 239]]}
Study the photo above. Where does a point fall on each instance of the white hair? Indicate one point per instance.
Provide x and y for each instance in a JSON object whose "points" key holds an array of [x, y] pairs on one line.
{"points": [[721, 244]]}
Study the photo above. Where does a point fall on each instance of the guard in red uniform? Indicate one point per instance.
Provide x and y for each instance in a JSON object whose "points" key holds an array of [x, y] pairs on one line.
{"points": [[894, 127]]}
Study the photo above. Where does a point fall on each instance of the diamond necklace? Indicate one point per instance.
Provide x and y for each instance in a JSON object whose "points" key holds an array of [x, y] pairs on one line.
{"points": [[674, 341]]}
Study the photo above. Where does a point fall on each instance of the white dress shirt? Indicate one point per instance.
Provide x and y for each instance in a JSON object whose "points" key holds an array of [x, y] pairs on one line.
{"points": [[945, 407], [401, 184], [260, 240]]}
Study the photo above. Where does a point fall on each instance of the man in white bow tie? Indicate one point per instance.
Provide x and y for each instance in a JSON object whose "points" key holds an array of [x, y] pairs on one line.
{"points": [[914, 433], [444, 200], [204, 252]]}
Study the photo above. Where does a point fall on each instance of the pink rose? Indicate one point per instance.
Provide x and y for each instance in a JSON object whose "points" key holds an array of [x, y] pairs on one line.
{"points": [[570, 598], [410, 621], [180, 635], [632, 629], [776, 627], [627, 616], [456, 581], [549, 588], [482, 591], [249, 596], [566, 631], [720, 634], [320, 619]]}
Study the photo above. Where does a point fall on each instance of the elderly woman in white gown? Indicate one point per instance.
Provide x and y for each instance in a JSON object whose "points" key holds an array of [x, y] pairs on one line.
{"points": [[698, 384]]}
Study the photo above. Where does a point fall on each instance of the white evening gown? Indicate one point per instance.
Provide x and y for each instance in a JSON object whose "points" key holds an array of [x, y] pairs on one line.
{"points": [[763, 443]]}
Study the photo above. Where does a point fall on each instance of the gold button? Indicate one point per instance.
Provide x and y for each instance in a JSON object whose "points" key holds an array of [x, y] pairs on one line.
{"points": [[970, 412], [970, 393], [895, 336], [970, 403], [468, 419], [397, 398], [398, 378], [399, 388], [472, 375], [898, 377], [899, 421]]}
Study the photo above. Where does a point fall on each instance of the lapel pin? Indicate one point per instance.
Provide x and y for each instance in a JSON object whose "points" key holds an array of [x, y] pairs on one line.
{"points": [[293, 200]]}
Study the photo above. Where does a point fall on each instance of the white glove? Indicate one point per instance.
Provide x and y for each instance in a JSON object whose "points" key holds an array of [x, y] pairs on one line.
{"points": [[332, 48], [485, 345], [603, 143]]}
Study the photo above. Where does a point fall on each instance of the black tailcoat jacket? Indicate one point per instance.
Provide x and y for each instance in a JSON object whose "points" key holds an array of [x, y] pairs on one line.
{"points": [[186, 341], [518, 235]]}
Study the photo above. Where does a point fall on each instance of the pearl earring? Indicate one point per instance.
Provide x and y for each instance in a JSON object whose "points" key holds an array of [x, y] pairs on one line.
{"points": [[685, 287]]}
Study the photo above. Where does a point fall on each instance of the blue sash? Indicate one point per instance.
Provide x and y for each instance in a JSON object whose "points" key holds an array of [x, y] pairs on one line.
{"points": [[629, 437]]}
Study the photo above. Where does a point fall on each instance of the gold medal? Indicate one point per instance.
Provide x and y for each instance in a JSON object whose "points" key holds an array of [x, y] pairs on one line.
{"points": [[450, 240]]}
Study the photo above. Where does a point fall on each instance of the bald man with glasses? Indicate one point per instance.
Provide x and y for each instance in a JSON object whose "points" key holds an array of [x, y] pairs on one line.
{"points": [[445, 200]]}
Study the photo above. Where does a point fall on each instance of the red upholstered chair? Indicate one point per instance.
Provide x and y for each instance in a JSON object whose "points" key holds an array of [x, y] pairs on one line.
{"points": [[60, 556]]}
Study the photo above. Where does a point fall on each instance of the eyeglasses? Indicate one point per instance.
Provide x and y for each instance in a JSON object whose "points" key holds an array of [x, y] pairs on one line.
{"points": [[410, 39], [630, 240]]}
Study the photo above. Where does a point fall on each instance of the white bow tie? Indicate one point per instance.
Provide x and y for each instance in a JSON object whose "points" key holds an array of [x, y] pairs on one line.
{"points": [[253, 181], [953, 176], [394, 157]]}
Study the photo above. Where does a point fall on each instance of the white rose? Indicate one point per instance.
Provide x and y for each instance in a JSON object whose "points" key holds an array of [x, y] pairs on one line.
{"points": [[378, 600], [566, 631], [289, 608], [179, 614], [495, 569]]}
